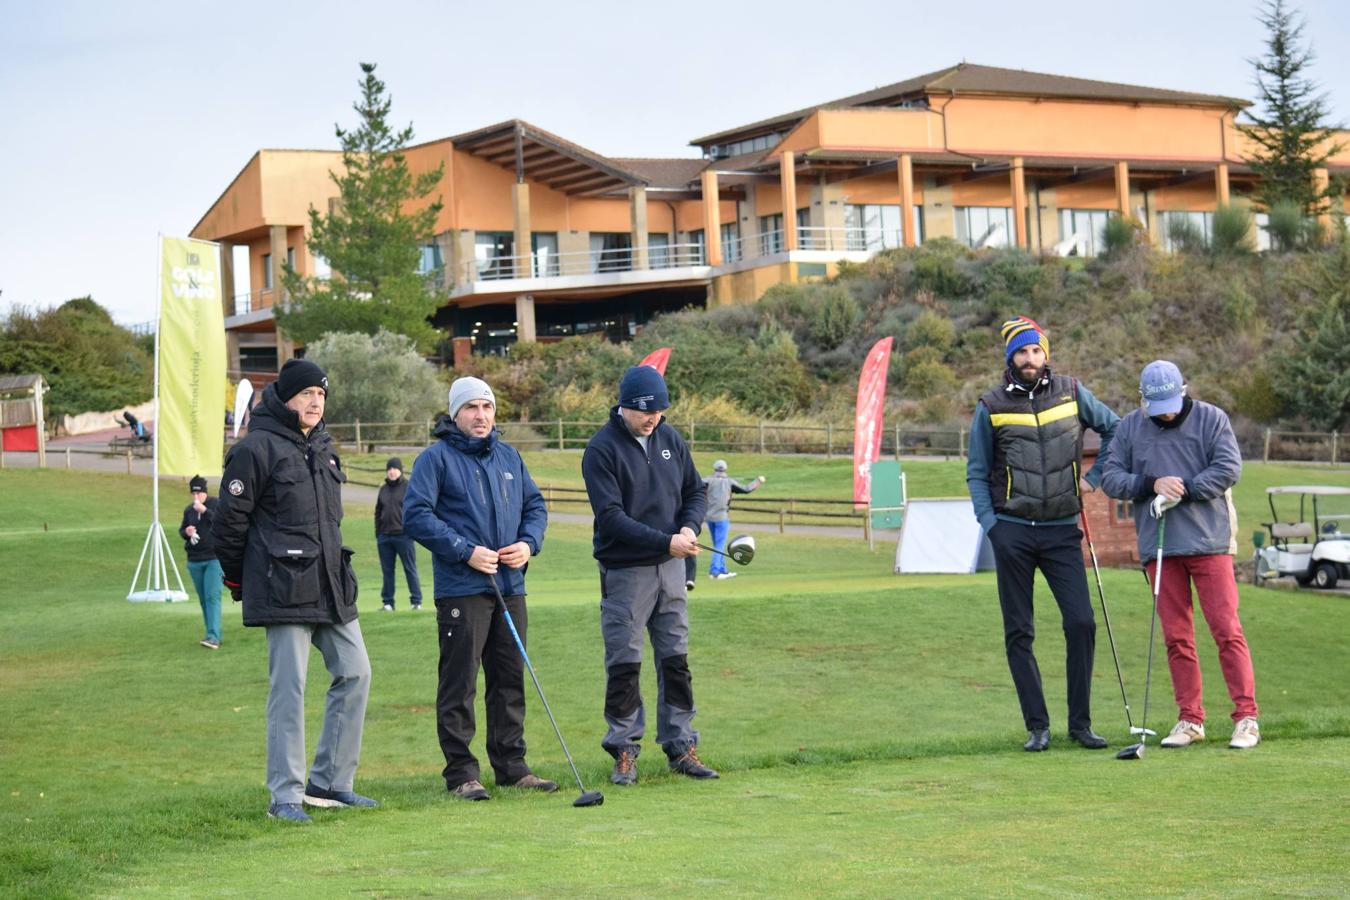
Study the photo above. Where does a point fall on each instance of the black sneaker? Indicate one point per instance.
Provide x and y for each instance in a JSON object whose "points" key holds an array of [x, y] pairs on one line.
{"points": [[317, 796], [625, 768], [689, 764]]}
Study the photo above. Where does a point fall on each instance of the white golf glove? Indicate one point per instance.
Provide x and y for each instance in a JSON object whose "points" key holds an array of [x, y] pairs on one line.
{"points": [[762, 479], [1162, 504]]}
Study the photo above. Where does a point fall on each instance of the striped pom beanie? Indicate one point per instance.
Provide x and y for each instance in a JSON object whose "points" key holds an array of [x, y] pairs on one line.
{"points": [[1020, 332]]}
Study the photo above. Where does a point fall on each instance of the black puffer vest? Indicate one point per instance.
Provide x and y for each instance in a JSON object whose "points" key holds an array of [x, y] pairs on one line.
{"points": [[1038, 445]]}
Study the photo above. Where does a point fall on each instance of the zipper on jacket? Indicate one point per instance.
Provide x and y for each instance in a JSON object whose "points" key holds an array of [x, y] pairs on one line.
{"points": [[1008, 494], [1077, 490]]}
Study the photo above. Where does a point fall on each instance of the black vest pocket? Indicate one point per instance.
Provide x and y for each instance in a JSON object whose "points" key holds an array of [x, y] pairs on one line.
{"points": [[293, 573]]}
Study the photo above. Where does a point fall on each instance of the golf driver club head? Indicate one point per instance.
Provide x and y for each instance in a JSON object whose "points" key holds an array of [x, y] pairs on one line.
{"points": [[741, 549], [590, 798], [1148, 731], [1134, 751]]}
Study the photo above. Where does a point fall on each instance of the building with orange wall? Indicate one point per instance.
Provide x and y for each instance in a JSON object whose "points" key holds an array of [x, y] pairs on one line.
{"points": [[540, 238]]}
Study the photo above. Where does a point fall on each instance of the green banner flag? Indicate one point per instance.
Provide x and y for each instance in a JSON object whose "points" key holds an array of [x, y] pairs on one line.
{"points": [[190, 424]]}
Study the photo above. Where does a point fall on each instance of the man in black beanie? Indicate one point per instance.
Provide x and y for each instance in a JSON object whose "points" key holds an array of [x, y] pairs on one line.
{"points": [[390, 540], [648, 502], [279, 541]]}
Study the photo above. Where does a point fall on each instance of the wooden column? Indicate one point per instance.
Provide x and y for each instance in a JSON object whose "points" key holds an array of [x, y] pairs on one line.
{"points": [[1019, 195], [905, 168], [712, 226], [1123, 187], [787, 178], [1221, 183]]}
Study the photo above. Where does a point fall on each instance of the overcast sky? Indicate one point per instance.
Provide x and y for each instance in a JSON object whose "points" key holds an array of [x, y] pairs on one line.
{"points": [[123, 120]]}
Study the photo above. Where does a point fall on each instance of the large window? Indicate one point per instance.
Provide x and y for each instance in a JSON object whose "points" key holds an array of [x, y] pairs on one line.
{"points": [[430, 260], [267, 271], [658, 250], [749, 145], [611, 251], [1177, 226], [876, 226], [545, 247], [1087, 226], [771, 234], [322, 270], [731, 242], [699, 250], [984, 226], [492, 251]]}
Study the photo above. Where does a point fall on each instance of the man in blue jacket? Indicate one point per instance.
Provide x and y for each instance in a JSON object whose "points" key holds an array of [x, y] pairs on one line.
{"points": [[648, 502], [473, 504], [1023, 472]]}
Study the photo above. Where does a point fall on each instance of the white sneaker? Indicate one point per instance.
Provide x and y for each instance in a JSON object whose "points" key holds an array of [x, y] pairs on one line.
{"points": [[388, 607], [1246, 734], [1183, 734], [722, 576]]}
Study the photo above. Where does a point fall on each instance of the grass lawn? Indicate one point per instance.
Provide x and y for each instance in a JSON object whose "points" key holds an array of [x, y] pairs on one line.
{"points": [[865, 726]]}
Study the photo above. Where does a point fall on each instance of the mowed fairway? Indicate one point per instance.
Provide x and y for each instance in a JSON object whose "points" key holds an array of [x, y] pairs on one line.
{"points": [[865, 726]]}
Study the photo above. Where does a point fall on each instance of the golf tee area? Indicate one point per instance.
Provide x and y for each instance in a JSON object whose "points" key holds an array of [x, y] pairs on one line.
{"points": [[864, 724]]}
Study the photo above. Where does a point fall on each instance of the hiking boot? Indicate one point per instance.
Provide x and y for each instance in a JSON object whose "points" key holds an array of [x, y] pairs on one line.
{"points": [[625, 768], [317, 796], [289, 812], [1183, 734], [470, 790], [533, 782], [689, 764], [1246, 734]]}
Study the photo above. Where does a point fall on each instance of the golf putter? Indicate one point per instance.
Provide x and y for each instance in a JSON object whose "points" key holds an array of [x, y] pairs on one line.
{"points": [[587, 798], [1110, 635], [1136, 751]]}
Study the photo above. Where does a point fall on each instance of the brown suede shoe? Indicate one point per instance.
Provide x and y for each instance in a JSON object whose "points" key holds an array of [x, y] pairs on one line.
{"points": [[533, 782]]}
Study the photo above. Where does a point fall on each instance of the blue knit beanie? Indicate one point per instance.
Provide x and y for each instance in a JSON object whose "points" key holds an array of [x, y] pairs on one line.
{"points": [[1021, 332], [642, 388]]}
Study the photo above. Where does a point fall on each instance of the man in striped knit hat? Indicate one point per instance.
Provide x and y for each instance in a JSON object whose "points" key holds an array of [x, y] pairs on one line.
{"points": [[1025, 481]]}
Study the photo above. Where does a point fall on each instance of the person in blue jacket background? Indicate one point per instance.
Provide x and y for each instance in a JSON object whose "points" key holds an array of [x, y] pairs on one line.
{"points": [[473, 504]]}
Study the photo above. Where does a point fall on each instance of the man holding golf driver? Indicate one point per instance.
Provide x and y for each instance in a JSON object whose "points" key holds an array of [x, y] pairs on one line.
{"points": [[1026, 444], [473, 504], [1184, 451], [648, 502]]}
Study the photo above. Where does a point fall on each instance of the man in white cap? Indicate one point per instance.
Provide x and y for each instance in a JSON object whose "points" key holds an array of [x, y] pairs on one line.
{"points": [[473, 504], [1184, 451]]}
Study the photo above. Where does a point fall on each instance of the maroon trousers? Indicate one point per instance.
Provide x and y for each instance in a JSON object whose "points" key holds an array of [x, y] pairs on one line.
{"points": [[1216, 587]]}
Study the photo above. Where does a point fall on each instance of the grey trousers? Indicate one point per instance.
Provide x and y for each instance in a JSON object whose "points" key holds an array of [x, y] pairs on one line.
{"points": [[344, 712], [650, 598]]}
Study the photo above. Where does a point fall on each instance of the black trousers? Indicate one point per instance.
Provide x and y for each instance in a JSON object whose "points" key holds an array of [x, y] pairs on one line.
{"points": [[1057, 551], [473, 633]]}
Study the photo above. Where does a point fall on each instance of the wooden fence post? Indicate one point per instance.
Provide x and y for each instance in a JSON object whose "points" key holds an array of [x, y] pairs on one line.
{"points": [[67, 457], [560, 434], [1265, 451], [358, 435], [829, 440], [961, 443], [1334, 436], [128, 462], [761, 435], [897, 442]]}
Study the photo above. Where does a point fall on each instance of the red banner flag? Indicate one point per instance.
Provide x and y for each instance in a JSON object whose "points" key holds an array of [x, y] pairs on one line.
{"points": [[867, 420], [657, 359]]}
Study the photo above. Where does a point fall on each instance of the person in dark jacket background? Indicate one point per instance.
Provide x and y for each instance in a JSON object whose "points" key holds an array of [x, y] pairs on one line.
{"points": [[1185, 451], [203, 567], [279, 541], [473, 504], [390, 540], [648, 502], [1023, 472]]}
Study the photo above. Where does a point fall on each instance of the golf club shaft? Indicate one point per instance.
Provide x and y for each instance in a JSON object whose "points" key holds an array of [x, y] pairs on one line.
{"points": [[520, 645], [1152, 625], [1106, 617]]}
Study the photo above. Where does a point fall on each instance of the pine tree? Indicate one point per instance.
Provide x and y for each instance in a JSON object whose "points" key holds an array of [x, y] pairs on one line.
{"points": [[371, 240], [1291, 135]]}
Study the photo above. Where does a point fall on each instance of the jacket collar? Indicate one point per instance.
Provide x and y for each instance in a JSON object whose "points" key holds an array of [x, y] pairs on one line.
{"points": [[1013, 385]]}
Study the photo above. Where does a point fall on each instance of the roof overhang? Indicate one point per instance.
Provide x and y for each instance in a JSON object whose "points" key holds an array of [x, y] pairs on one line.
{"points": [[544, 158]]}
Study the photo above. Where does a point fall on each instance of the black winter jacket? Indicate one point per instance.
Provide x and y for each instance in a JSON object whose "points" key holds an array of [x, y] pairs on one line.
{"points": [[389, 506], [640, 499], [278, 529], [205, 548]]}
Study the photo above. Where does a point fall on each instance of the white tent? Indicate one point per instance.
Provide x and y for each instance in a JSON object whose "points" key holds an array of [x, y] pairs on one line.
{"points": [[942, 536]]}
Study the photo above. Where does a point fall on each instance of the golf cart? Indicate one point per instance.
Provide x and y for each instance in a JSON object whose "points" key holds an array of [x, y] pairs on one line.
{"points": [[1314, 550]]}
